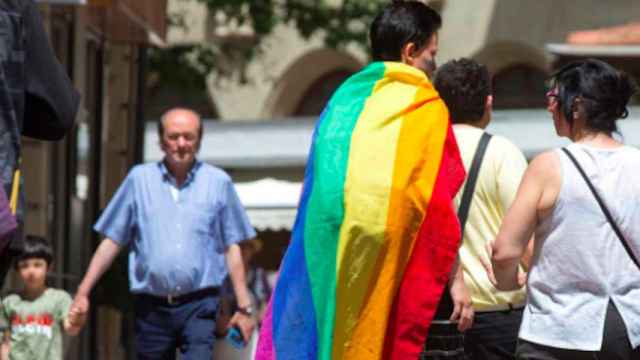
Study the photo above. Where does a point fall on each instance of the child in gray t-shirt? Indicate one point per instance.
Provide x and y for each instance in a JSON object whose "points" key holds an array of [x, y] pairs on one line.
{"points": [[34, 319]]}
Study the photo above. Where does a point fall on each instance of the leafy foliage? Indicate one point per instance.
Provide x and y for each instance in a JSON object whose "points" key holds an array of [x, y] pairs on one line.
{"points": [[339, 21]]}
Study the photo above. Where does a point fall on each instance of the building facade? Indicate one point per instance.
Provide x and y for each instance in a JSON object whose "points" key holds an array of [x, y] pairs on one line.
{"points": [[293, 76], [103, 44]]}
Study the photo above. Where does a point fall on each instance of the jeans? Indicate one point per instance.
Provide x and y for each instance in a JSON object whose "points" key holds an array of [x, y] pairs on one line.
{"points": [[162, 328]]}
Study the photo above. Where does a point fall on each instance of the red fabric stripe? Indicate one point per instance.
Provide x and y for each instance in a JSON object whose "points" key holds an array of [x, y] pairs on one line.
{"points": [[433, 254]]}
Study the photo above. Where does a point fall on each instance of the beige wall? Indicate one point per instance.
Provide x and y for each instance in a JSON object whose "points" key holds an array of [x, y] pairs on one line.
{"points": [[498, 33], [277, 79], [504, 31]]}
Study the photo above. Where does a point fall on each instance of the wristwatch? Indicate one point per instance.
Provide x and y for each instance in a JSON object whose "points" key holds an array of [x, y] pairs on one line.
{"points": [[247, 310]]}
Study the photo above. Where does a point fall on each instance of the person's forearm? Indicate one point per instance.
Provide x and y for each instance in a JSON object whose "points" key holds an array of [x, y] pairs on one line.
{"points": [[505, 260], [527, 257], [506, 273], [4, 351], [238, 275], [5, 347], [101, 261], [456, 272]]}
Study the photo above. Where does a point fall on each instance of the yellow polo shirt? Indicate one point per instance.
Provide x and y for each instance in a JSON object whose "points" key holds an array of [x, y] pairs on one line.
{"points": [[502, 169]]}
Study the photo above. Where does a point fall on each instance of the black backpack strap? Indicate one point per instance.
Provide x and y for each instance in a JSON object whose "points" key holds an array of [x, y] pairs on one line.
{"points": [[604, 208], [472, 177]]}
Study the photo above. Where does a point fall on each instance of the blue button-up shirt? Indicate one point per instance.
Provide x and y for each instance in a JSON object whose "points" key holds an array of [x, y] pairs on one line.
{"points": [[176, 246]]}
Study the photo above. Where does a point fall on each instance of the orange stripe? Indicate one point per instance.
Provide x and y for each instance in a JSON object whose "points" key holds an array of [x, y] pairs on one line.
{"points": [[367, 191], [418, 156]]}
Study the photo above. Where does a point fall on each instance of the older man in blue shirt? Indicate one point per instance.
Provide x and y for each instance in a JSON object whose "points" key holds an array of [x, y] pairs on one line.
{"points": [[182, 221]]}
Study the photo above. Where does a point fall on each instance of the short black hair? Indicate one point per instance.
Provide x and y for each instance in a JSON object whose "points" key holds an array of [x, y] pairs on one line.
{"points": [[35, 247], [464, 85], [604, 93], [400, 23]]}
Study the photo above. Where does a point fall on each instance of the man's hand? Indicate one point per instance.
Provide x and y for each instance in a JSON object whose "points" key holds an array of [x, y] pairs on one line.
{"points": [[76, 317], [79, 307], [245, 323], [462, 305], [74, 321]]}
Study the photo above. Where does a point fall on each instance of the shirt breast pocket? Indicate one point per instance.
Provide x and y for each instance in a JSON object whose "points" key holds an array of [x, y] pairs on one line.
{"points": [[201, 220]]}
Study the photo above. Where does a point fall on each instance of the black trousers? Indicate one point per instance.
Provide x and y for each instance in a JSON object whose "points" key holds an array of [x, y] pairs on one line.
{"points": [[494, 335], [615, 345]]}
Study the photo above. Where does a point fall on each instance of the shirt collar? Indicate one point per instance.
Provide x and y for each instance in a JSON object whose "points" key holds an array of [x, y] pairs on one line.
{"points": [[167, 176]]}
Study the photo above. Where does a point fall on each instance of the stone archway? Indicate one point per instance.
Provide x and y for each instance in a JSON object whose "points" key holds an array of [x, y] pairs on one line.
{"points": [[304, 77], [518, 74]]}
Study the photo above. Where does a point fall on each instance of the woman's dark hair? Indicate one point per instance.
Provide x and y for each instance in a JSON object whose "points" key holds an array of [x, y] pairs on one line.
{"points": [[400, 23], [464, 85], [604, 93], [35, 247]]}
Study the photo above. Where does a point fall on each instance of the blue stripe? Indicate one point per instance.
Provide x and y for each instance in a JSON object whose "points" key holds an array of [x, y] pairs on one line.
{"points": [[293, 309]]}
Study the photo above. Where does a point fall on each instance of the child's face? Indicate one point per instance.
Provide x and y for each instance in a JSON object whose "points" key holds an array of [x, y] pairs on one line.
{"points": [[33, 272]]}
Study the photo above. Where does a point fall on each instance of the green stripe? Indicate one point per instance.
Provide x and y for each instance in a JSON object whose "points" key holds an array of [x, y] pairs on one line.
{"points": [[325, 210]]}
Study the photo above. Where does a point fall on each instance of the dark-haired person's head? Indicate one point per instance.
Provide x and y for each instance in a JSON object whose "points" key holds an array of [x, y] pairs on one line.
{"points": [[593, 91], [406, 31], [35, 247], [465, 87]]}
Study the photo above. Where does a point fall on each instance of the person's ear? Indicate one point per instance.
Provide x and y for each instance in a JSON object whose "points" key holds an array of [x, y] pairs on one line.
{"points": [[407, 53], [486, 116]]}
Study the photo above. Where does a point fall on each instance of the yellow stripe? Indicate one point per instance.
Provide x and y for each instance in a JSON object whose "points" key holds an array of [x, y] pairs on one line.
{"points": [[366, 196], [418, 156]]}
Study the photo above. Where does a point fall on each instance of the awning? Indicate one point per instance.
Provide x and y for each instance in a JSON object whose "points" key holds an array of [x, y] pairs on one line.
{"points": [[594, 50], [284, 143], [270, 204], [138, 21]]}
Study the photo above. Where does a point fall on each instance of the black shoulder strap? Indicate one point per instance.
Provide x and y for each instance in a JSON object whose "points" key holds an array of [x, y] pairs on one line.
{"points": [[604, 208], [472, 177]]}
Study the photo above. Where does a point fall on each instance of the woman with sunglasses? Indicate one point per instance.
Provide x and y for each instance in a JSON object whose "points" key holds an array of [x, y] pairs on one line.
{"points": [[583, 287]]}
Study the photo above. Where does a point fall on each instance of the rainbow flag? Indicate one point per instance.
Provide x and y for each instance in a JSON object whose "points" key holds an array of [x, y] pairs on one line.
{"points": [[376, 234]]}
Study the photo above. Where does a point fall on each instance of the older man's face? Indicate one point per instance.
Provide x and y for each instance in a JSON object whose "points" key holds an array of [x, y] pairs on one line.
{"points": [[180, 140]]}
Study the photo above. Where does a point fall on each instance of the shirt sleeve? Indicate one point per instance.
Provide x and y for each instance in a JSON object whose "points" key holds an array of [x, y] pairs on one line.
{"points": [[234, 219], [64, 304], [510, 171], [117, 221], [51, 102]]}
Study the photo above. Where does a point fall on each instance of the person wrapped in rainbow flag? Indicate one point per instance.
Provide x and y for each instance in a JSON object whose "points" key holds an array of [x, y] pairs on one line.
{"points": [[376, 235]]}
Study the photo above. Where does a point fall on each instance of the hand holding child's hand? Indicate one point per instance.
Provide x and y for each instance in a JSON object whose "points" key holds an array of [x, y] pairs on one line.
{"points": [[76, 317]]}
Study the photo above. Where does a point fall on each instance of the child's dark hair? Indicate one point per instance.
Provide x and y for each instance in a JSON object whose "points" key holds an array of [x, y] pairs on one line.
{"points": [[464, 85], [604, 91], [35, 247]]}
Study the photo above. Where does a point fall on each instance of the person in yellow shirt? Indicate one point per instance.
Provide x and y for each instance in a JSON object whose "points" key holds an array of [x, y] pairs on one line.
{"points": [[465, 87]]}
